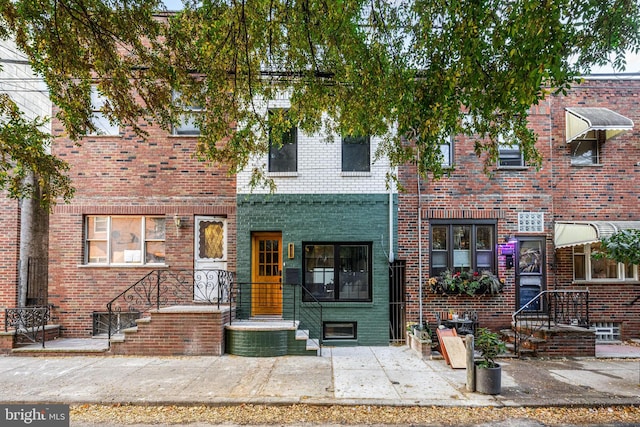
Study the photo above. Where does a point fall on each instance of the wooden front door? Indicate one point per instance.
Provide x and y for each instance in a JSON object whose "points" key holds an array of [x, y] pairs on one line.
{"points": [[266, 274]]}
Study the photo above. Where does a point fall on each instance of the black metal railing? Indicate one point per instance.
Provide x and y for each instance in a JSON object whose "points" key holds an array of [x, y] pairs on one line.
{"points": [[550, 307], [290, 302], [163, 288], [29, 322]]}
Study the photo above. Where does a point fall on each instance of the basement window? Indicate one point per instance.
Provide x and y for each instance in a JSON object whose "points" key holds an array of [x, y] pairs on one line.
{"points": [[340, 330], [606, 332]]}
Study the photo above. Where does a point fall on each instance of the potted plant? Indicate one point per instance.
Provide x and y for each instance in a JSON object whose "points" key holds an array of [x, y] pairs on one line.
{"points": [[488, 371], [466, 283]]}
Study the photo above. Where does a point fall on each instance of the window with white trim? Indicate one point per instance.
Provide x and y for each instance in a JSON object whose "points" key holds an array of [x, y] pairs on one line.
{"points": [[585, 151], [124, 240], [100, 121], [446, 151], [586, 267], [187, 125]]}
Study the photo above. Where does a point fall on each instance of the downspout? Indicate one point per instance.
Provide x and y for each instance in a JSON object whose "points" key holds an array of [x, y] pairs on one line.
{"points": [[419, 240], [391, 254]]}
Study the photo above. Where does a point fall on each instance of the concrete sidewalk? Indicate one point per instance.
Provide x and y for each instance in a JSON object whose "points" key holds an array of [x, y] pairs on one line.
{"points": [[393, 375]]}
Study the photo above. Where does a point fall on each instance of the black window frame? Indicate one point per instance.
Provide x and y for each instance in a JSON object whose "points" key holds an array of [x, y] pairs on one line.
{"points": [[283, 157], [473, 246], [326, 325], [353, 153], [332, 288]]}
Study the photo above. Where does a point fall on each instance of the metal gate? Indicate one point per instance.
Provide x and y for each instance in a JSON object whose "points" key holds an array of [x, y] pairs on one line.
{"points": [[37, 282], [397, 301]]}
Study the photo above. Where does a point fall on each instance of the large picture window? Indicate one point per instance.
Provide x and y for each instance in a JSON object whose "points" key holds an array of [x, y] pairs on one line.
{"points": [[124, 240], [462, 246], [337, 271], [586, 267]]}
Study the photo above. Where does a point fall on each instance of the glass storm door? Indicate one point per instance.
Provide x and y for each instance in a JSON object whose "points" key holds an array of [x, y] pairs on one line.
{"points": [[530, 273], [210, 255], [266, 268]]}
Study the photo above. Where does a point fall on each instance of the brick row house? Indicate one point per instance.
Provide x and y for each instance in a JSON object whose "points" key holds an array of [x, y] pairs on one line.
{"points": [[535, 229], [332, 225], [331, 215], [140, 206]]}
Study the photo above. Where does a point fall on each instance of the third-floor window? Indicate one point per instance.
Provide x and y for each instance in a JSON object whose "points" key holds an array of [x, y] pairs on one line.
{"points": [[356, 153]]}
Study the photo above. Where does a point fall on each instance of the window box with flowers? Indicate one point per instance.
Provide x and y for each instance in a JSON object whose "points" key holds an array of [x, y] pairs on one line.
{"points": [[466, 283]]}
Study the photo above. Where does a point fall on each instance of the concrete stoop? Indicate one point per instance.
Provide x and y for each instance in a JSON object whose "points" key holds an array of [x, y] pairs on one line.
{"points": [[175, 331], [269, 338], [554, 341], [13, 340]]}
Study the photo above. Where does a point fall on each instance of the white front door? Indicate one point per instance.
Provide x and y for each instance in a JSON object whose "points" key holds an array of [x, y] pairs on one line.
{"points": [[210, 257]]}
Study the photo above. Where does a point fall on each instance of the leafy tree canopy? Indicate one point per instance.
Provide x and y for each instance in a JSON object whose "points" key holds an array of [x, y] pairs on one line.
{"points": [[408, 70], [623, 246], [24, 149]]}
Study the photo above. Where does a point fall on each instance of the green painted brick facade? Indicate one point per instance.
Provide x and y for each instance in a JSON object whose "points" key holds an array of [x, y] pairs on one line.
{"points": [[264, 343], [326, 218]]}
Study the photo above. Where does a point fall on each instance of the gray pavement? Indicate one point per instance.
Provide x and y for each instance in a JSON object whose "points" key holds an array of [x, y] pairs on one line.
{"points": [[393, 375]]}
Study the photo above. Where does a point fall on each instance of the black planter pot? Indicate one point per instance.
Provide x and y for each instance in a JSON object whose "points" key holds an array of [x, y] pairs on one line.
{"points": [[489, 380]]}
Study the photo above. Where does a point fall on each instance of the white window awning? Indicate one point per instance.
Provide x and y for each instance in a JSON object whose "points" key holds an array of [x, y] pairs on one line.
{"points": [[576, 233], [580, 120]]}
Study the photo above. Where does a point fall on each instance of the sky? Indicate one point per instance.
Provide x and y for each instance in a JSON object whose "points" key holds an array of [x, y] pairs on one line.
{"points": [[633, 60]]}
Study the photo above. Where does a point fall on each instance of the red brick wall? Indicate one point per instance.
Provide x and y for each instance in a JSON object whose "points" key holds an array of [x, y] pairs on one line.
{"points": [[174, 334], [470, 194], [561, 192], [610, 191], [9, 253], [127, 175]]}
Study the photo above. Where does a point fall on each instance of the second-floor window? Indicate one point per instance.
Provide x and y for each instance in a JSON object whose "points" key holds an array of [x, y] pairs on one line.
{"points": [[356, 154], [462, 246], [188, 125], [585, 151], [124, 240], [99, 120], [283, 153], [509, 153], [586, 267], [446, 151]]}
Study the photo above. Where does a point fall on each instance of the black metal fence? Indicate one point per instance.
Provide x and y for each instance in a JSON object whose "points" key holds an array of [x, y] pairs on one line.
{"points": [[164, 288], [557, 307], [397, 303], [292, 302], [29, 322]]}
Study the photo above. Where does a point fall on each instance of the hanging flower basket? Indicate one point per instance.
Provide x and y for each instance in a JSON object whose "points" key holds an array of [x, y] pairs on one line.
{"points": [[466, 283]]}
